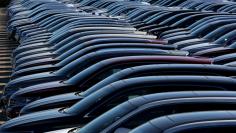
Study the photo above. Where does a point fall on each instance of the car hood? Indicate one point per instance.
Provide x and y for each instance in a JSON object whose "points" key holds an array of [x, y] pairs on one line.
{"points": [[212, 50], [189, 41], [50, 101], [30, 79], [34, 121], [36, 89], [199, 46], [33, 70]]}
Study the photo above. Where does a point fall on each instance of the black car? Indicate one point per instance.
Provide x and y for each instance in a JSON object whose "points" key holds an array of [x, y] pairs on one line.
{"points": [[16, 101], [206, 121], [111, 95], [129, 115]]}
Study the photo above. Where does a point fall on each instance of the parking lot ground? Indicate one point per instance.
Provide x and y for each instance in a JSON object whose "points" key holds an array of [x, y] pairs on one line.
{"points": [[6, 47]]}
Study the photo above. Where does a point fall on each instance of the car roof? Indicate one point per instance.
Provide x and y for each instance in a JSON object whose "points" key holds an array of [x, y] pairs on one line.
{"points": [[169, 121], [202, 69], [160, 99], [224, 83]]}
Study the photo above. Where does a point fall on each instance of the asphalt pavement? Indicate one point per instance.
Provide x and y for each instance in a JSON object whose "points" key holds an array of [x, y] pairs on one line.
{"points": [[6, 47]]}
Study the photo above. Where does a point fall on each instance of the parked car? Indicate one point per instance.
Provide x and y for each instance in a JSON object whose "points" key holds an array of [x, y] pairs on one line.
{"points": [[16, 101], [129, 115], [96, 72], [208, 121], [109, 96]]}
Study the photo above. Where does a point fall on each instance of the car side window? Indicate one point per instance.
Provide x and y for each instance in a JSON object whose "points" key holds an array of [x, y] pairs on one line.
{"points": [[99, 76], [119, 97], [157, 111], [105, 72], [155, 73], [230, 41], [138, 119]]}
